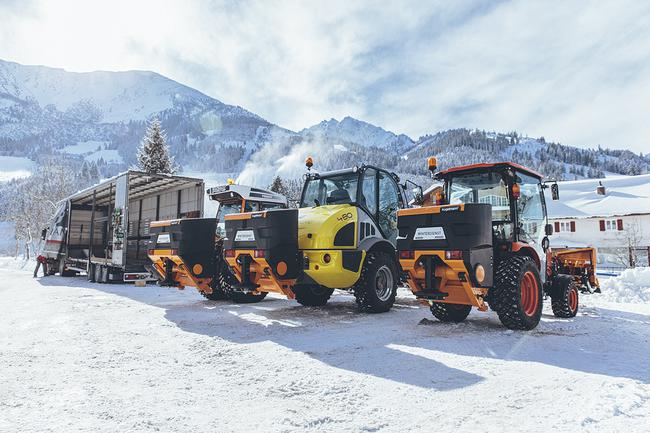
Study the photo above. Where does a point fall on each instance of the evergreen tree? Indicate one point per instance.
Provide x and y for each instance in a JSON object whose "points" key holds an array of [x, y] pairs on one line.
{"points": [[278, 186], [153, 155]]}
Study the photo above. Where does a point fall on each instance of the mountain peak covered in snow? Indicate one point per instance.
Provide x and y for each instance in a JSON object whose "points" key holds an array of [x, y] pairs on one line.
{"points": [[359, 132]]}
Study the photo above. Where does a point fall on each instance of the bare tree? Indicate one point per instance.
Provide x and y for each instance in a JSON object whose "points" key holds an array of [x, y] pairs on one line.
{"points": [[633, 238]]}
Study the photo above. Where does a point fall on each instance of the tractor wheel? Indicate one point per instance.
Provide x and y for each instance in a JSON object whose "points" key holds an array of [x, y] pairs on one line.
{"points": [[564, 299], [217, 293], [517, 293], [312, 295], [377, 286], [450, 312], [227, 280]]}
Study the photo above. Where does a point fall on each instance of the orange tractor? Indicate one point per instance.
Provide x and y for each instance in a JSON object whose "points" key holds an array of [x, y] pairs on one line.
{"points": [[485, 243]]}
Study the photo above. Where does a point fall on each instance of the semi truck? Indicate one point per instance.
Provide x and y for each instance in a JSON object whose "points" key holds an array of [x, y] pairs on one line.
{"points": [[103, 231]]}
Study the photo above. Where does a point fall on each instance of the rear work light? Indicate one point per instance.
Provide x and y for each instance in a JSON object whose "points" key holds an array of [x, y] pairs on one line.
{"points": [[229, 253], [408, 255], [259, 254], [453, 255]]}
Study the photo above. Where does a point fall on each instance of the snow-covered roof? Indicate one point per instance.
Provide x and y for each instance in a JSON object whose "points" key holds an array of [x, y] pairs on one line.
{"points": [[625, 195]]}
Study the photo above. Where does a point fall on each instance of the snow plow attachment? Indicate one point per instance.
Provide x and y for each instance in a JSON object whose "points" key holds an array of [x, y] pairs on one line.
{"points": [[580, 263], [261, 249], [182, 254]]}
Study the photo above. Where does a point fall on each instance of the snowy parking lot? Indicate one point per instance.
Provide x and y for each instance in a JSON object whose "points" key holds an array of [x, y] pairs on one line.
{"points": [[78, 356]]}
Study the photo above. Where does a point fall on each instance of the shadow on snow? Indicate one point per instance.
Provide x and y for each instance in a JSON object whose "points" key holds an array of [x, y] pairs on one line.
{"points": [[598, 340]]}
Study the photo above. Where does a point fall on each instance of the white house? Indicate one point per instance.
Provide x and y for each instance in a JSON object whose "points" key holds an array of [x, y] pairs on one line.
{"points": [[612, 214]]}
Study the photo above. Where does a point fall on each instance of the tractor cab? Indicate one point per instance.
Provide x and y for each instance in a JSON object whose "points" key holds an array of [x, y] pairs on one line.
{"points": [[376, 191], [235, 198], [515, 193]]}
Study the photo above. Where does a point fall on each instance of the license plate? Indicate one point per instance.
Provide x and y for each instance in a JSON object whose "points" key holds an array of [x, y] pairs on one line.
{"points": [[429, 234], [245, 236], [164, 238]]}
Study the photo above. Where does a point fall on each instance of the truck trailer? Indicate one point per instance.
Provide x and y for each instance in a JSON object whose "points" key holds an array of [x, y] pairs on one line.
{"points": [[104, 230]]}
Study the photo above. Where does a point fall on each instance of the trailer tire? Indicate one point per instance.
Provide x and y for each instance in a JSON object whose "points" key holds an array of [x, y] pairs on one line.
{"points": [[91, 273], [376, 289], [312, 295], [564, 298], [226, 282], [450, 312], [517, 293]]}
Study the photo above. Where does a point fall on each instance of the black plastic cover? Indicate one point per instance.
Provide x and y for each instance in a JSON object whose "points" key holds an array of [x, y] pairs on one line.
{"points": [[463, 230], [274, 231], [193, 238]]}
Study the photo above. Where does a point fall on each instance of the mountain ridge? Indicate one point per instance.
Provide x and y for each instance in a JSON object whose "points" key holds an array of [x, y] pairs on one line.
{"points": [[101, 117]]}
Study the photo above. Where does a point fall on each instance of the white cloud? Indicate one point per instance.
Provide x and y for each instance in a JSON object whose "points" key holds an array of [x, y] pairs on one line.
{"points": [[577, 72]]}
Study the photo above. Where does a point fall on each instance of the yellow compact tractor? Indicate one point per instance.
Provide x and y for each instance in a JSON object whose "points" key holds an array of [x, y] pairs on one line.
{"points": [[342, 237], [188, 252], [485, 243]]}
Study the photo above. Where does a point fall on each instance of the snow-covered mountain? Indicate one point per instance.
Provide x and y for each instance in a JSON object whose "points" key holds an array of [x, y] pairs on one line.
{"points": [[356, 131], [100, 117]]}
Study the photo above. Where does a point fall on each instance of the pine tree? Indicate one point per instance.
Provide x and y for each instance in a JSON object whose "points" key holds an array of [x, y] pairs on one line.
{"points": [[278, 186], [153, 154]]}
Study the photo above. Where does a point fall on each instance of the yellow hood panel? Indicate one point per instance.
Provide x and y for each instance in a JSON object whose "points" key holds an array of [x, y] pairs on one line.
{"points": [[317, 226]]}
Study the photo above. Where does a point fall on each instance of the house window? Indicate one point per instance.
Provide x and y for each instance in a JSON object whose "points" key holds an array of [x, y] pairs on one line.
{"points": [[565, 226], [611, 225]]}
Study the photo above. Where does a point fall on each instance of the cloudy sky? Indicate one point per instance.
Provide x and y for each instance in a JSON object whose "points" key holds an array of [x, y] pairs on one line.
{"points": [[577, 72]]}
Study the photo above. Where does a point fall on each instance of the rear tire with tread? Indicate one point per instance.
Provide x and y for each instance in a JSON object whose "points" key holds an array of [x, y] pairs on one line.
{"points": [[217, 292], [517, 293], [376, 289], [227, 280], [450, 312], [564, 299], [312, 295]]}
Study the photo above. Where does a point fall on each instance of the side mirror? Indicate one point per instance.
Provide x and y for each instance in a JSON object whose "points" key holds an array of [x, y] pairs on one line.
{"points": [[548, 229], [555, 192], [43, 234]]}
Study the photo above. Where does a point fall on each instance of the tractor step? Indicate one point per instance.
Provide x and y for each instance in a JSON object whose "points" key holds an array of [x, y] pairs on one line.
{"points": [[433, 295]]}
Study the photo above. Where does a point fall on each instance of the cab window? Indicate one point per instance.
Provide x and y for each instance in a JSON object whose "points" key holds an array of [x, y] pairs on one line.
{"points": [[368, 197], [251, 206], [226, 209], [388, 206], [530, 209], [269, 206]]}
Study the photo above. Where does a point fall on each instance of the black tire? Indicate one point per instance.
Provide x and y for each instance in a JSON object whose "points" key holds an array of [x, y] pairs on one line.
{"points": [[376, 289], [312, 295], [226, 282], [450, 312], [517, 293], [217, 293], [564, 296]]}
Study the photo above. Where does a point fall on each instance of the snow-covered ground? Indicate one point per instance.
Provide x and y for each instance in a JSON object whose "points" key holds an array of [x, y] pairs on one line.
{"points": [[78, 356]]}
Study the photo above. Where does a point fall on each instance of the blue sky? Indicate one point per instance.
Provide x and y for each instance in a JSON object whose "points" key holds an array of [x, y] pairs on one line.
{"points": [[577, 72]]}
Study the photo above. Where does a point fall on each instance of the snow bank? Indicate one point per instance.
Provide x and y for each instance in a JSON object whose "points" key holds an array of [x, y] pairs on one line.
{"points": [[631, 286]]}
